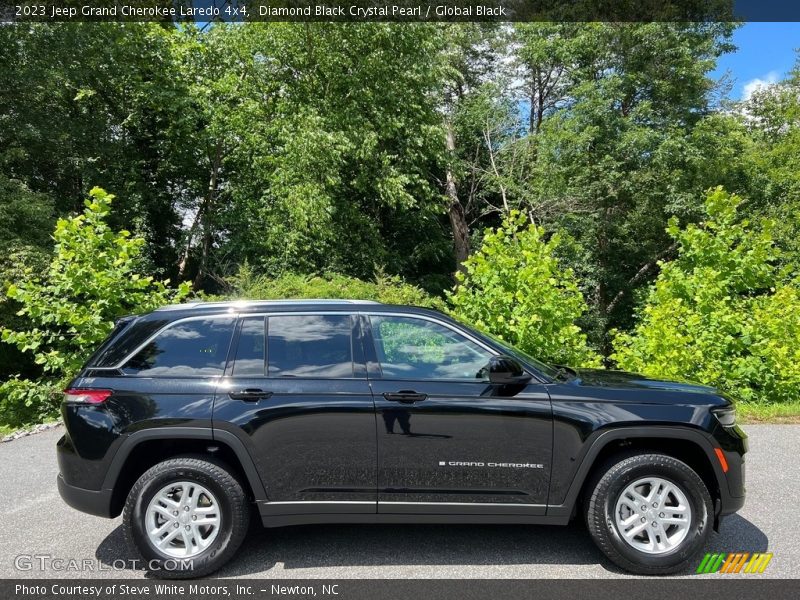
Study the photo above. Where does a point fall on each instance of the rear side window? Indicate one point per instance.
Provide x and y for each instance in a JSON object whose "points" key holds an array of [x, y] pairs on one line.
{"points": [[196, 348], [310, 346]]}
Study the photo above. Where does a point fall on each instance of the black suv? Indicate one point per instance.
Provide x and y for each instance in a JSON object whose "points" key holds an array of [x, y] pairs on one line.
{"points": [[190, 417]]}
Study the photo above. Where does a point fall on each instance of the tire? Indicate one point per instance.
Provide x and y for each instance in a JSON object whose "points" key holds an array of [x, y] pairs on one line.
{"points": [[668, 546], [214, 493]]}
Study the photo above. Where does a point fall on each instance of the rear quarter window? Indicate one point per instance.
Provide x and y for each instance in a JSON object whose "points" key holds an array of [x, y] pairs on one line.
{"points": [[195, 348], [128, 334]]}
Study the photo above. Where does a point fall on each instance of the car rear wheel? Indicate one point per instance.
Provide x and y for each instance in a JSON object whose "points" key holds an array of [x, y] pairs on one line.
{"points": [[186, 517], [650, 514]]}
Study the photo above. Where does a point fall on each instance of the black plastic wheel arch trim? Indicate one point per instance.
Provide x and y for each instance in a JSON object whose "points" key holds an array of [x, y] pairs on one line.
{"points": [[197, 433], [603, 438]]}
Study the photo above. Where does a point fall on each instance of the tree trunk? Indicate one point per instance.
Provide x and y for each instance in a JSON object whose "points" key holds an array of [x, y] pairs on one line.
{"points": [[201, 219], [455, 210], [639, 276]]}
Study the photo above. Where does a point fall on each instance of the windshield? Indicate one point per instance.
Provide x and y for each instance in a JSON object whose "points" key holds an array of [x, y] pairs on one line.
{"points": [[540, 366]]}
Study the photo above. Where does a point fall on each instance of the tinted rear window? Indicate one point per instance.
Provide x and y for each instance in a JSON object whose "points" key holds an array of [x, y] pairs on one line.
{"points": [[125, 337], [310, 346], [197, 348]]}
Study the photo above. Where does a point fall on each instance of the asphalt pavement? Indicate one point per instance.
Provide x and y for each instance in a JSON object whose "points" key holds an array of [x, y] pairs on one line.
{"points": [[40, 536]]}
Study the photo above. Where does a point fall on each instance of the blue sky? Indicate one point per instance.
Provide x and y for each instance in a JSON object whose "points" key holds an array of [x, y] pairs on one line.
{"points": [[766, 52]]}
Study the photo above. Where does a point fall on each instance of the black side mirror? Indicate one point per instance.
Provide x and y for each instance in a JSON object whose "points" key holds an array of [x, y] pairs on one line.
{"points": [[504, 370]]}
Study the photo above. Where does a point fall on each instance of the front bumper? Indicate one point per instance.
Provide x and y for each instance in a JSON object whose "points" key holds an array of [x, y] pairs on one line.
{"points": [[94, 502], [734, 445]]}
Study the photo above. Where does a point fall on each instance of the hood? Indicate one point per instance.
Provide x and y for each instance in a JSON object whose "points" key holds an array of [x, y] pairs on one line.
{"points": [[625, 380]]}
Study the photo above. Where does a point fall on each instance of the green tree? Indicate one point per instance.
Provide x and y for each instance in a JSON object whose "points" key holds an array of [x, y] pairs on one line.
{"points": [[514, 287], [93, 278], [722, 313], [122, 114], [772, 116], [26, 220], [612, 111], [331, 169]]}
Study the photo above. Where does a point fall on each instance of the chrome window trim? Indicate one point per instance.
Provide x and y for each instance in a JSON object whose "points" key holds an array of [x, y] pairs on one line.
{"points": [[231, 314], [226, 315]]}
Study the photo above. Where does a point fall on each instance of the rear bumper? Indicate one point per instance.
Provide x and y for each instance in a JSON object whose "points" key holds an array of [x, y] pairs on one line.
{"points": [[94, 502]]}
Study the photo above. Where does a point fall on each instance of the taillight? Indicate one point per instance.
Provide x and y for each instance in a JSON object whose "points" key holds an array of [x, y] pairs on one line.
{"points": [[86, 396]]}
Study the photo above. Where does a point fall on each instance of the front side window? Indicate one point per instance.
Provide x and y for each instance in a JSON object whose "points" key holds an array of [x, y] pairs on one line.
{"points": [[410, 348], [196, 348], [310, 346]]}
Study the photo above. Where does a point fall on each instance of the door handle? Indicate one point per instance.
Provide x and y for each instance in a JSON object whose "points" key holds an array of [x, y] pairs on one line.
{"points": [[405, 396], [250, 394]]}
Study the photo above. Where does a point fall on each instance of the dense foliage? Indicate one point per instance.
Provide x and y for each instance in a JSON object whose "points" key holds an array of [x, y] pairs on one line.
{"points": [[386, 289], [95, 276], [251, 159], [515, 288], [722, 312]]}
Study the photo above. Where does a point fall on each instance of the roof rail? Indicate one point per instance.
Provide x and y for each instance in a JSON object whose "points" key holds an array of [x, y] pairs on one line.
{"points": [[242, 303]]}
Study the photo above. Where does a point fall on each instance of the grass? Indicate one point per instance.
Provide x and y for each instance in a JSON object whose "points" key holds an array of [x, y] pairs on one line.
{"points": [[6, 429], [769, 413]]}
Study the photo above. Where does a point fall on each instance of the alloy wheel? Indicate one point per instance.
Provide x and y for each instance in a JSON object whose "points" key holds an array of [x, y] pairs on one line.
{"points": [[182, 519], [653, 515]]}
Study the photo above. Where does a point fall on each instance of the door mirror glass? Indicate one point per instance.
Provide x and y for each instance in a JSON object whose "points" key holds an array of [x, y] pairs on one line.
{"points": [[505, 370]]}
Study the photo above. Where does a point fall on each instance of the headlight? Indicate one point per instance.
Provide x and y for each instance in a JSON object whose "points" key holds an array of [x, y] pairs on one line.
{"points": [[726, 416]]}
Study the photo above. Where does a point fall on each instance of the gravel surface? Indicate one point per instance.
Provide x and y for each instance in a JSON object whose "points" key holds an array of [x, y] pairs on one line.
{"points": [[36, 522]]}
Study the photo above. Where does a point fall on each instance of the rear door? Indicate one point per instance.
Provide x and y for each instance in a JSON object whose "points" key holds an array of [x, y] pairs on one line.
{"points": [[448, 440], [296, 393]]}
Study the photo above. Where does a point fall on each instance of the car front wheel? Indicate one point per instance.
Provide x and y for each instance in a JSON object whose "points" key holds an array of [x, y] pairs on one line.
{"points": [[650, 514]]}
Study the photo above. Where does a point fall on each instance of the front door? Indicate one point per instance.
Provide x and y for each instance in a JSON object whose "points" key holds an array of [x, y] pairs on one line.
{"points": [[448, 440], [296, 393]]}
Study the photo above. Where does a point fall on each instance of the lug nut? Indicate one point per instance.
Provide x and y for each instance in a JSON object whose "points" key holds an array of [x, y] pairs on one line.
{"points": [[661, 515], [655, 524], [187, 508], [644, 508], [655, 505], [643, 519], [176, 523], [194, 517], [187, 528], [175, 513]]}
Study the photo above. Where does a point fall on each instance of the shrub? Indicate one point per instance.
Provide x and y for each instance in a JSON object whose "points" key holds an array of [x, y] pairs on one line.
{"points": [[386, 289], [93, 278], [515, 289], [721, 313]]}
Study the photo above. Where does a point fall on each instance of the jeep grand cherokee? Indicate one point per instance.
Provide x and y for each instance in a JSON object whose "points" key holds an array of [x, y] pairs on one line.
{"points": [[189, 418]]}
